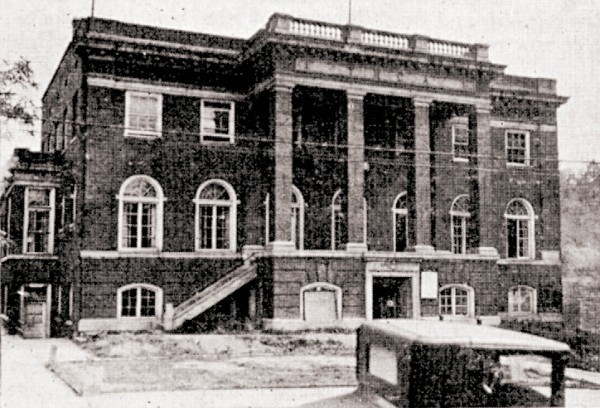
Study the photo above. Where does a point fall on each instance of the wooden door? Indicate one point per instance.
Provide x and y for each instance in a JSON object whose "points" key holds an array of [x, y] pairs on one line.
{"points": [[35, 320]]}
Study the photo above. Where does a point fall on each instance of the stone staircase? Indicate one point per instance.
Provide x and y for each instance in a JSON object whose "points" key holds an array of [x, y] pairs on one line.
{"points": [[206, 298]]}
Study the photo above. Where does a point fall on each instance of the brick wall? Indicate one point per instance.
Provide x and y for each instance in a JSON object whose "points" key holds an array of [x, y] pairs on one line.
{"points": [[289, 275], [178, 278]]}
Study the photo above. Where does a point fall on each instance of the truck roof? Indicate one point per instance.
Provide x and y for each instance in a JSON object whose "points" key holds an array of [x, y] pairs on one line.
{"points": [[464, 335]]}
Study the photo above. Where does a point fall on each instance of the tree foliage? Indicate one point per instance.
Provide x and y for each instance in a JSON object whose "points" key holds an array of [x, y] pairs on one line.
{"points": [[15, 78], [581, 207]]}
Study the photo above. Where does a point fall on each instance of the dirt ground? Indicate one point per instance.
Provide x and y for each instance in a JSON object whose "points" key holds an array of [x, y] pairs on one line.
{"points": [[161, 362], [156, 361]]}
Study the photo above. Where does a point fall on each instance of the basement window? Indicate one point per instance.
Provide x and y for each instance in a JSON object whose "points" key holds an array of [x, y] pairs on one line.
{"points": [[139, 300], [217, 121]]}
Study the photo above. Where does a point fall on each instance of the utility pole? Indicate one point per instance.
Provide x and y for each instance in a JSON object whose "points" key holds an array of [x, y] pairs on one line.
{"points": [[349, 12]]}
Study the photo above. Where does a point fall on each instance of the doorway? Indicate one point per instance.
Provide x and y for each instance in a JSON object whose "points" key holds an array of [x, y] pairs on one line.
{"points": [[392, 298], [35, 300]]}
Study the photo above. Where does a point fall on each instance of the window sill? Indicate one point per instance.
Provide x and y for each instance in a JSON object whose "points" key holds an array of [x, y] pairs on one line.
{"points": [[460, 160], [139, 250], [143, 135], [517, 165], [222, 140]]}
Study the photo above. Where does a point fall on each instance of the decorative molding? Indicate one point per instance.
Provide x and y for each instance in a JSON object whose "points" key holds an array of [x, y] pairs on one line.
{"points": [[330, 83], [384, 75], [506, 124], [172, 89], [95, 254], [159, 43]]}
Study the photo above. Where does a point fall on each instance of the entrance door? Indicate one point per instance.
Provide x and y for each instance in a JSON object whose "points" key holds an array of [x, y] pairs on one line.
{"points": [[35, 312], [392, 298]]}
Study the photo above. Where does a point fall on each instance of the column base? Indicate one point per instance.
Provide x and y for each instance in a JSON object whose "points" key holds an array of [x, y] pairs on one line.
{"points": [[424, 249], [487, 251], [356, 247], [281, 247]]}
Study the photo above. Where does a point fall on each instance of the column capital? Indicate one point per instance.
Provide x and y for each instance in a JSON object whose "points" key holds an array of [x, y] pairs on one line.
{"points": [[483, 107], [355, 94], [283, 86], [422, 101]]}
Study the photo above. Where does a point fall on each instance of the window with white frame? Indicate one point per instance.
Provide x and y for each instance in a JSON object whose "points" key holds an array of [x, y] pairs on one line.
{"points": [[460, 139], [297, 218], [517, 147], [216, 205], [39, 220], [520, 228], [143, 114], [400, 213], [457, 300], [522, 300], [459, 213], [139, 300], [297, 221], [339, 222], [217, 121], [140, 214]]}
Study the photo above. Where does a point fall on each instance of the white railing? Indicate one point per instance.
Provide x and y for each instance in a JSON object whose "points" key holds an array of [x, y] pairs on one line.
{"points": [[315, 30], [397, 42], [444, 48], [285, 24]]}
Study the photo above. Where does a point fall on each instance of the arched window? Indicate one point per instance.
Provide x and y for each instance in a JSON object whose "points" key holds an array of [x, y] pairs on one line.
{"points": [[297, 222], [216, 206], [139, 300], [522, 300], [339, 221], [459, 213], [140, 214], [321, 301], [520, 227], [297, 218], [400, 213], [457, 300]]}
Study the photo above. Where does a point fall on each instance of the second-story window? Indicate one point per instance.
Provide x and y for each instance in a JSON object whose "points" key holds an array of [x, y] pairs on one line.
{"points": [[39, 220], [459, 212], [460, 140], [217, 121], [216, 205], [517, 148], [143, 114], [140, 214], [400, 212]]}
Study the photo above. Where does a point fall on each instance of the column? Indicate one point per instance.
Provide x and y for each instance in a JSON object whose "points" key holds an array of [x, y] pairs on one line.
{"points": [[282, 115], [356, 172], [485, 204], [422, 175]]}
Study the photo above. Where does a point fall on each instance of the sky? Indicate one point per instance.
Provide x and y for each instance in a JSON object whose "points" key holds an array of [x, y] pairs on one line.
{"points": [[543, 38]]}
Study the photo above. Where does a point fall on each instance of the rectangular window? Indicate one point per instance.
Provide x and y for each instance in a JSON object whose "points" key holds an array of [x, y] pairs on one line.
{"points": [[39, 214], [460, 142], [518, 238], [217, 121], [139, 225], [459, 235], [143, 114], [517, 148]]}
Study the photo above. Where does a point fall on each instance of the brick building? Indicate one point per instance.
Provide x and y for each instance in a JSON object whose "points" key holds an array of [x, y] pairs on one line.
{"points": [[313, 174]]}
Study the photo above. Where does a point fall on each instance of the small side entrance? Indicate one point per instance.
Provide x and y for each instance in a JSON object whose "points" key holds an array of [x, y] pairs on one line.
{"points": [[392, 298], [35, 302]]}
